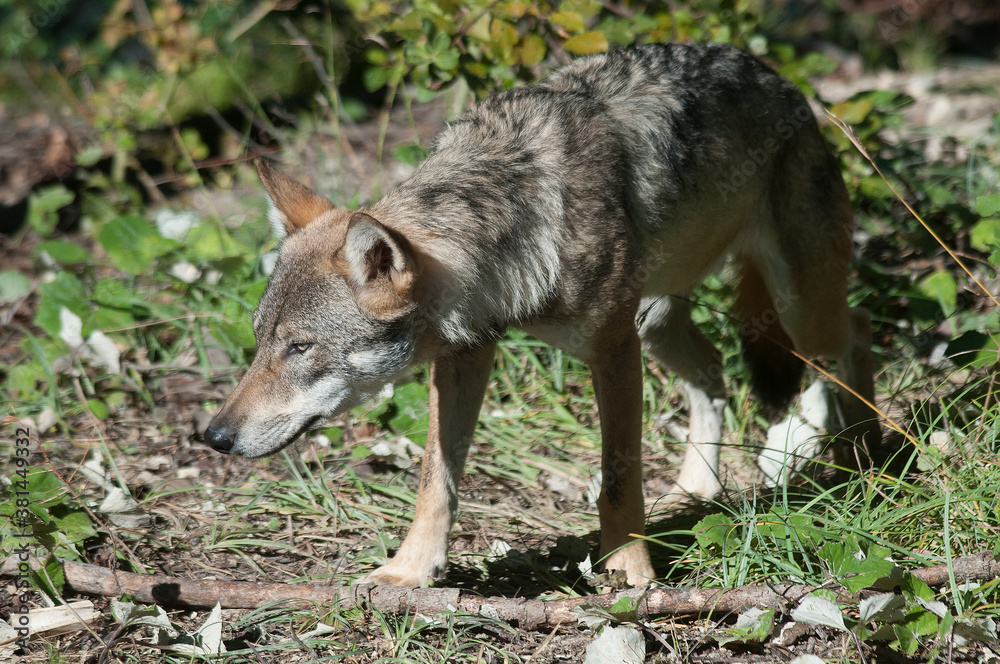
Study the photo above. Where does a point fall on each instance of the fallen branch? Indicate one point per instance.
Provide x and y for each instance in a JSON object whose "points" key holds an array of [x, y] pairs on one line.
{"points": [[527, 613]]}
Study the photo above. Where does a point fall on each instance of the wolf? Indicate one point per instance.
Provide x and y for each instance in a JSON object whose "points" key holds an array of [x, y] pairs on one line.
{"points": [[582, 210]]}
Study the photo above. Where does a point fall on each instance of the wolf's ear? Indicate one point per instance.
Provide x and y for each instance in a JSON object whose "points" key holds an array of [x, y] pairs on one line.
{"points": [[380, 268], [292, 206]]}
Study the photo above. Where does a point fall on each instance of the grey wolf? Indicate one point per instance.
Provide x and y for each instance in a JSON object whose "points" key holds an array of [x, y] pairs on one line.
{"points": [[581, 210]]}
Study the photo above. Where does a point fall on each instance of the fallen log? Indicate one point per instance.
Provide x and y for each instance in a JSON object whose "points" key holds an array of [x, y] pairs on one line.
{"points": [[526, 613]]}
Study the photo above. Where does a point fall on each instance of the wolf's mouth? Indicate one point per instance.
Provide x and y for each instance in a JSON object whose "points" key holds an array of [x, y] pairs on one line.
{"points": [[309, 424]]}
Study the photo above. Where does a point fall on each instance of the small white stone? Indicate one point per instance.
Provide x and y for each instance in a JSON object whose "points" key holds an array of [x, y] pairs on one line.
{"points": [[184, 271], [174, 224]]}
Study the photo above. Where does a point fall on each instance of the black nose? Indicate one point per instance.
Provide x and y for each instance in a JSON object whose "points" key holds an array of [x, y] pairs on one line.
{"points": [[220, 437]]}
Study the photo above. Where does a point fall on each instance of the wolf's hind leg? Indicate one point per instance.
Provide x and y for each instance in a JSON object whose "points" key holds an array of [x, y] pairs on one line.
{"points": [[672, 338], [803, 256], [855, 368], [458, 385]]}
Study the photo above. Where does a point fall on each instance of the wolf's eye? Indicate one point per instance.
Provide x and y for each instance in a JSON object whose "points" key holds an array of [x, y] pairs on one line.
{"points": [[298, 348]]}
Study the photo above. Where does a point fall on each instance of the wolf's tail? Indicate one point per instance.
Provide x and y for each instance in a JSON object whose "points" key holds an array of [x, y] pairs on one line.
{"points": [[775, 374]]}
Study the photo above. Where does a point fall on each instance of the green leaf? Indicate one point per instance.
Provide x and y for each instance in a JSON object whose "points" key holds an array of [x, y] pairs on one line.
{"points": [[90, 155], [920, 622], [447, 60], [713, 530], [587, 43], [133, 244], [503, 36], [45, 489], [109, 318], [74, 523], [53, 580], [411, 154], [884, 607], [43, 205], [64, 291], [209, 242], [98, 408], [988, 205], [65, 252], [13, 286], [572, 21], [907, 639], [973, 349], [411, 416], [854, 111], [941, 287], [795, 527], [113, 293], [874, 187], [624, 606], [985, 235], [530, 51], [913, 586], [516, 9], [585, 8], [375, 77], [814, 610], [849, 565], [240, 334], [752, 626]]}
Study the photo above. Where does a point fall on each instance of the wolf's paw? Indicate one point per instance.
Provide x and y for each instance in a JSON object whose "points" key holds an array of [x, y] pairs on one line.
{"points": [[634, 561], [396, 573], [694, 489]]}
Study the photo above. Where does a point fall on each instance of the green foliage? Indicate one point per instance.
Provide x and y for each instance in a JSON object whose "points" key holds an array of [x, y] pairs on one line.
{"points": [[66, 290], [44, 207], [13, 286], [143, 306], [133, 244], [856, 567], [40, 510], [491, 45], [408, 412], [752, 626]]}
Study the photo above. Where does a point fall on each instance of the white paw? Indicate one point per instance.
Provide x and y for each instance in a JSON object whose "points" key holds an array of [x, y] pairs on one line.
{"points": [[691, 486]]}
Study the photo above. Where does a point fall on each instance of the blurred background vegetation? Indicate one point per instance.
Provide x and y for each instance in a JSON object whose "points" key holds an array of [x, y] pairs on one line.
{"points": [[169, 92]]}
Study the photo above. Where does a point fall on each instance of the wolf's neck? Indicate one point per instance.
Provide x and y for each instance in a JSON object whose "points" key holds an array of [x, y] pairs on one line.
{"points": [[487, 262]]}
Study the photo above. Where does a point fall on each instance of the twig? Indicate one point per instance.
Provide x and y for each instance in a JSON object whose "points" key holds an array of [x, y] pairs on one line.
{"points": [[526, 613]]}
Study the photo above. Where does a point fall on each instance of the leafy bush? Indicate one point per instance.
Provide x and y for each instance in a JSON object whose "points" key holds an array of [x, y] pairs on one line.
{"points": [[491, 45]]}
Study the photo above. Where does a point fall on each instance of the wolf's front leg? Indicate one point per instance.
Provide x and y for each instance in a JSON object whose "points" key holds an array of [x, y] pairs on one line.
{"points": [[458, 384], [618, 386]]}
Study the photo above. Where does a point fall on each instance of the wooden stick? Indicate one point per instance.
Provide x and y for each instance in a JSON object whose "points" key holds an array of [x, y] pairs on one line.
{"points": [[526, 613]]}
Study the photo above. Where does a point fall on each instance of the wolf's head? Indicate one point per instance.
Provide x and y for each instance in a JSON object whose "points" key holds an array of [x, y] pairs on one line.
{"points": [[334, 326]]}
